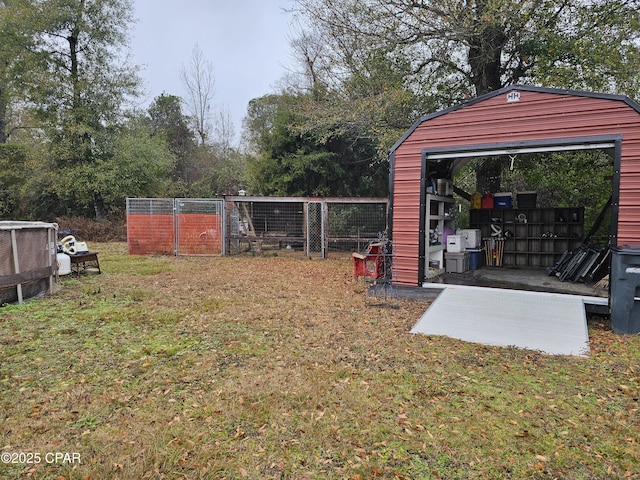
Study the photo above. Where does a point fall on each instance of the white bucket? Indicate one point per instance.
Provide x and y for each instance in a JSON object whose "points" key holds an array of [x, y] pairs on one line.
{"points": [[64, 264]]}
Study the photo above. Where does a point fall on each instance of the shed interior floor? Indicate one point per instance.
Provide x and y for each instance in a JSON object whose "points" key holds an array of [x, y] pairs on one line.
{"points": [[532, 279]]}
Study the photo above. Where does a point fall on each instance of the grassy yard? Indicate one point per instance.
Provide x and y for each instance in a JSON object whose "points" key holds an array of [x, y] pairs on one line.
{"points": [[269, 368]]}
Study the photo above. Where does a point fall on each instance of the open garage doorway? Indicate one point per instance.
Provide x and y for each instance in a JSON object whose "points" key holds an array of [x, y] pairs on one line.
{"points": [[545, 224]]}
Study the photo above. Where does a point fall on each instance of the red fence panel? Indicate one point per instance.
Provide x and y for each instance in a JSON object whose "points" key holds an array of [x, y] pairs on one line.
{"points": [[181, 226], [150, 226], [199, 234]]}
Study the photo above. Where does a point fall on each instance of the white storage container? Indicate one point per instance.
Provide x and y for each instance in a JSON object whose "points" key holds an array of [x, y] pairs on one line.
{"points": [[472, 238], [64, 264], [455, 243]]}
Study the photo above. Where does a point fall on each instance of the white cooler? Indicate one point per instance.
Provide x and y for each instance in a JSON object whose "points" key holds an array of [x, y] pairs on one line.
{"points": [[472, 238]]}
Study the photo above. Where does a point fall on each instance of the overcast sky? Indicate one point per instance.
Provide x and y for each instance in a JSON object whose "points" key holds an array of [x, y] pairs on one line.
{"points": [[247, 41]]}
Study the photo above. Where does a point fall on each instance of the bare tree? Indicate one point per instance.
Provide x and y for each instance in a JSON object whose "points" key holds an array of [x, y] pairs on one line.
{"points": [[199, 81], [224, 131], [310, 52]]}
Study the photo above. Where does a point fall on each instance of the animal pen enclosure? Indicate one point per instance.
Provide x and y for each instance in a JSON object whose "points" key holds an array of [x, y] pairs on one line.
{"points": [[314, 227]]}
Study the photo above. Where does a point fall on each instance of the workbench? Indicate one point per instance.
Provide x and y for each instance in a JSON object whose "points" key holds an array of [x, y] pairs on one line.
{"points": [[80, 262]]}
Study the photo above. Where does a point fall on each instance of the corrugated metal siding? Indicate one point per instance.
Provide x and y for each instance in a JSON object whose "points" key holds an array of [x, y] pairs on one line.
{"points": [[537, 116]]}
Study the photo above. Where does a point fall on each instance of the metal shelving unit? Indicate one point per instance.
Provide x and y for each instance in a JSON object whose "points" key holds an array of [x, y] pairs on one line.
{"points": [[436, 218]]}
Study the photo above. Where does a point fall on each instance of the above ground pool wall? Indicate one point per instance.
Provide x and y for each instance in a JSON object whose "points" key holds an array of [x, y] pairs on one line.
{"points": [[27, 260]]}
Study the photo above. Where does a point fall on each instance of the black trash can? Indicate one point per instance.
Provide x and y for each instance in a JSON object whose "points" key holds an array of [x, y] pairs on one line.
{"points": [[625, 289]]}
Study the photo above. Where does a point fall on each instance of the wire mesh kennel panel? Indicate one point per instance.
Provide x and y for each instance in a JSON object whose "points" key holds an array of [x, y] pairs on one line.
{"points": [[150, 226], [199, 226], [314, 226], [265, 223], [351, 226], [315, 220]]}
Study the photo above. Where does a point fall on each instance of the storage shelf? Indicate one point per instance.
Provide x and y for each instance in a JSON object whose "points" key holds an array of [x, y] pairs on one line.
{"points": [[526, 243], [436, 207], [436, 248]]}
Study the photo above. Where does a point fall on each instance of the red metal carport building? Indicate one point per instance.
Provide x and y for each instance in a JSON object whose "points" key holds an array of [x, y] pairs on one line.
{"points": [[515, 119]]}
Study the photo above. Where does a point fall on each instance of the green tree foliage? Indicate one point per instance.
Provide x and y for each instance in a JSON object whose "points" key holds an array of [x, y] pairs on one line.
{"points": [[219, 172], [78, 85], [16, 40], [462, 48], [65, 84], [140, 166], [167, 121], [13, 165], [294, 163], [375, 102], [137, 164], [201, 170], [421, 56], [567, 179]]}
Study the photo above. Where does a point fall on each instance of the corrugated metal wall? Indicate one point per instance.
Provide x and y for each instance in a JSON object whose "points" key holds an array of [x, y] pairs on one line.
{"points": [[538, 115]]}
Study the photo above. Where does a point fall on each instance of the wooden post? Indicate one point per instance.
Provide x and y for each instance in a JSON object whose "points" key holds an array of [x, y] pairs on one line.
{"points": [[16, 263]]}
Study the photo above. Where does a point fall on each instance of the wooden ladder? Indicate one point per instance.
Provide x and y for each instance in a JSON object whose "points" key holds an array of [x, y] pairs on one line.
{"points": [[254, 242]]}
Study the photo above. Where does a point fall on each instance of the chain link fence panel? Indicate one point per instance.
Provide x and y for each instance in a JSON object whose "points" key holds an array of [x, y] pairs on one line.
{"points": [[311, 227], [199, 226], [150, 226]]}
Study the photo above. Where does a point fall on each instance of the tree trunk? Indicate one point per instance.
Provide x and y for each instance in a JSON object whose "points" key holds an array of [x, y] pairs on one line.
{"points": [[488, 175], [98, 206], [485, 52], [486, 43]]}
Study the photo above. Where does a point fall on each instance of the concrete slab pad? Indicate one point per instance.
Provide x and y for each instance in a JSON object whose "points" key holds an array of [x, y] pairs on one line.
{"points": [[551, 323]]}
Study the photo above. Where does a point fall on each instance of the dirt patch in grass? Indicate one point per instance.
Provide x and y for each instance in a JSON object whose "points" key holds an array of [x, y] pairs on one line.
{"points": [[238, 367]]}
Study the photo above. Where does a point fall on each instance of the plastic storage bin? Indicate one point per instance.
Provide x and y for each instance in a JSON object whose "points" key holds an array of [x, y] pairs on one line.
{"points": [[527, 199], [475, 258], [455, 243], [487, 201], [625, 289], [476, 201], [456, 262]]}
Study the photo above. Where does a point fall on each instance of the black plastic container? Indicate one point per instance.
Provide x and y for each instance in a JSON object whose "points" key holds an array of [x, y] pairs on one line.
{"points": [[527, 199], [625, 289]]}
